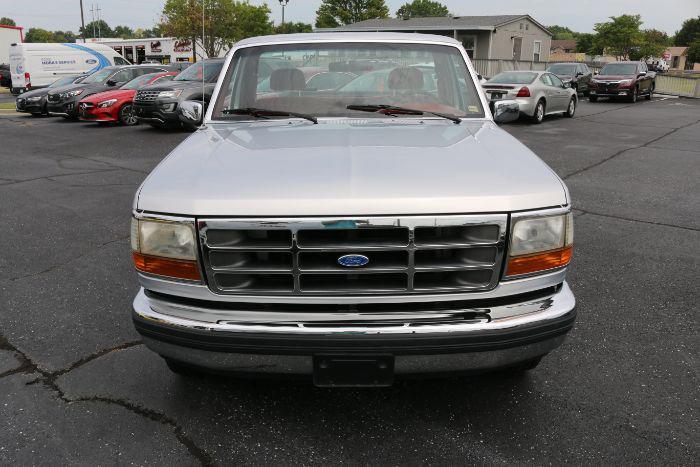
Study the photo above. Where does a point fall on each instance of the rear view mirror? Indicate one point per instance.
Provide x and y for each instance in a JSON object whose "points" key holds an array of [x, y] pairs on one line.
{"points": [[505, 111], [111, 82], [191, 112]]}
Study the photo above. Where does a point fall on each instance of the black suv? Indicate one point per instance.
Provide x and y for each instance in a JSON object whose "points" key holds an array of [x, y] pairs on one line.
{"points": [[64, 100], [578, 75], [157, 104]]}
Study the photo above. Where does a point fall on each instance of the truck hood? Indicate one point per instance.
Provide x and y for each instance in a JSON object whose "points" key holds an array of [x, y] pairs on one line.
{"points": [[348, 168]]}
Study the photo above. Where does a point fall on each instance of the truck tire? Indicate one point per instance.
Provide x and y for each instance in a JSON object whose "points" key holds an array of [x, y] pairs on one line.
{"points": [[592, 98], [181, 368], [635, 95]]}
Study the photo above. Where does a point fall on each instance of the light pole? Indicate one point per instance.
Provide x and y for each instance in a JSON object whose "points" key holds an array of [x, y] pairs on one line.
{"points": [[284, 4]]}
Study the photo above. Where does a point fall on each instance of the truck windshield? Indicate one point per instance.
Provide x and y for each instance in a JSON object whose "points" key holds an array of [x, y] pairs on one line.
{"points": [[339, 79], [619, 69]]}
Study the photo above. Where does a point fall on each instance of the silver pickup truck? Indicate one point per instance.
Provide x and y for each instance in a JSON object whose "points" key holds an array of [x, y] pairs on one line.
{"points": [[350, 211]]}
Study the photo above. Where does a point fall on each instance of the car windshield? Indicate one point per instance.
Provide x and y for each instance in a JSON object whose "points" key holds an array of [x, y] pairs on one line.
{"points": [[325, 79], [619, 69], [63, 81], [513, 78], [562, 69], [139, 81], [194, 71], [99, 76]]}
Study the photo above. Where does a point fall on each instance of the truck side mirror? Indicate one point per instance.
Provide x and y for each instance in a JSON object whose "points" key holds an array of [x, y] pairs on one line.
{"points": [[111, 83], [191, 112], [506, 110]]}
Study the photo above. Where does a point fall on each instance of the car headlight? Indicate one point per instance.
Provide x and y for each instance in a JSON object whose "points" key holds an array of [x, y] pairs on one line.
{"points": [[74, 93], [165, 248], [107, 103], [540, 243], [33, 99], [171, 94]]}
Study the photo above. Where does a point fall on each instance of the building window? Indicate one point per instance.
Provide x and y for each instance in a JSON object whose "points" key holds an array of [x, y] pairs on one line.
{"points": [[537, 51], [527, 27], [469, 43], [521, 25]]}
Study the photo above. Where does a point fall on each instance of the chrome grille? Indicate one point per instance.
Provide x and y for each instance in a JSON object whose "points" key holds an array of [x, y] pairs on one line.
{"points": [[407, 255], [146, 96]]}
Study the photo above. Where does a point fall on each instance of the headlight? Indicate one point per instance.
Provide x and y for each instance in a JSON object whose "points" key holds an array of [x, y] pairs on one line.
{"points": [[107, 103], [77, 92], [165, 248], [33, 99], [540, 243], [171, 94]]}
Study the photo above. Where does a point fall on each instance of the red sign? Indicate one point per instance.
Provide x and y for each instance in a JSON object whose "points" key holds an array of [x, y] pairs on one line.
{"points": [[183, 46], [667, 55]]}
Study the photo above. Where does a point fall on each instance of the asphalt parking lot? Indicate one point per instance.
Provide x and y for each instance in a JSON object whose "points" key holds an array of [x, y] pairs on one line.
{"points": [[76, 386]]}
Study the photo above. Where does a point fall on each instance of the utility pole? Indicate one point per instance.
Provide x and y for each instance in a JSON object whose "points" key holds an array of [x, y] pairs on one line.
{"points": [[82, 19], [99, 31], [284, 4], [92, 12]]}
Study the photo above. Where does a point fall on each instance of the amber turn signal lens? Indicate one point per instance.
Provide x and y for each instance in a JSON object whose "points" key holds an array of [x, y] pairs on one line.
{"points": [[178, 268], [539, 262]]}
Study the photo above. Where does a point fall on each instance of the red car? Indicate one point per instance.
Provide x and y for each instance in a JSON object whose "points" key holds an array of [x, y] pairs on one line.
{"points": [[115, 106]]}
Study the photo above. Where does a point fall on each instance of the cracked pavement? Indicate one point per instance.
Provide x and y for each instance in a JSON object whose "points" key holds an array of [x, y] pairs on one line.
{"points": [[77, 387]]}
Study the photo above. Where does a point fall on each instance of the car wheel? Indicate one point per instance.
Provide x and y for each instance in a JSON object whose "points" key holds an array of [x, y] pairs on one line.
{"points": [[539, 112], [592, 98], [126, 116], [571, 110], [634, 96], [651, 92]]}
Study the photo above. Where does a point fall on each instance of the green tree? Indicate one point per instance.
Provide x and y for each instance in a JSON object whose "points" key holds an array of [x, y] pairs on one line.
{"points": [[654, 42], [38, 35], [689, 32], [293, 28], [98, 28], [7, 21], [693, 52], [63, 36], [561, 32], [620, 36], [334, 13], [422, 9], [124, 32], [225, 22], [587, 44]]}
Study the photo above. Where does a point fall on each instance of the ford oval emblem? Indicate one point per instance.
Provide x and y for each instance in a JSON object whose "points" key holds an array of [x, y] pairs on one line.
{"points": [[353, 261], [90, 61]]}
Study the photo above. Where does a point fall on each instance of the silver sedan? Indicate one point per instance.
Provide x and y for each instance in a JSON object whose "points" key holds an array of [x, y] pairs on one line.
{"points": [[538, 93]]}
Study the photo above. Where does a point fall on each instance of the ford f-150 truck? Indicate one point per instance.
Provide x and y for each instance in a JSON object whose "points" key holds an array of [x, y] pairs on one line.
{"points": [[353, 235]]}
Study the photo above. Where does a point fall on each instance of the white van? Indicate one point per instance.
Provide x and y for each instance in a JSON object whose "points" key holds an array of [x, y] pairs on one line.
{"points": [[36, 65]]}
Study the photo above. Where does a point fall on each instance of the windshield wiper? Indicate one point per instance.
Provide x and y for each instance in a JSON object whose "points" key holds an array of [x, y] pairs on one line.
{"points": [[393, 111], [265, 113]]}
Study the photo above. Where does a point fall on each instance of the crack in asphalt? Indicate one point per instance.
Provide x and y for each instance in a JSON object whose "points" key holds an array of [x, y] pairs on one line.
{"points": [[622, 151], [69, 261], [48, 177], [629, 219], [48, 379]]}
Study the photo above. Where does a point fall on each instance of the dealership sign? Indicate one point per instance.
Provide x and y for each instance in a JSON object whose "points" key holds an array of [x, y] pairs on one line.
{"points": [[183, 46]]}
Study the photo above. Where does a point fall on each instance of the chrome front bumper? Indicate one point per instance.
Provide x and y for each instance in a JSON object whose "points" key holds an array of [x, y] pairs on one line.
{"points": [[464, 339]]}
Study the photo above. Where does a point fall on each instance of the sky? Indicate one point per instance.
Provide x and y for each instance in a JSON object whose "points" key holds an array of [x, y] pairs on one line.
{"points": [[579, 15]]}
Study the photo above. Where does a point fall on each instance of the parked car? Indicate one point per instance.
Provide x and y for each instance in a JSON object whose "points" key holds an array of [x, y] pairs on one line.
{"points": [[158, 104], [34, 102], [658, 65], [538, 93], [578, 75], [5, 76], [623, 79], [350, 236], [116, 105], [63, 101]]}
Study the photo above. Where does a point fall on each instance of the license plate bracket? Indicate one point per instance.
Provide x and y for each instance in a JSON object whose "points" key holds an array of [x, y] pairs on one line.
{"points": [[332, 371]]}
